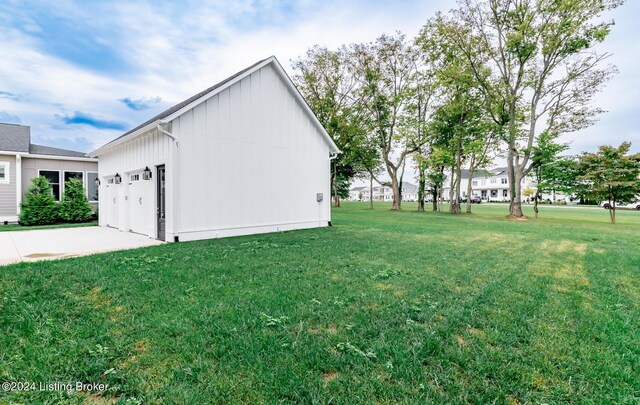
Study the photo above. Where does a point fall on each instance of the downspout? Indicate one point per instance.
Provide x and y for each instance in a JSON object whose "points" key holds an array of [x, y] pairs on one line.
{"points": [[176, 184], [18, 170], [331, 157]]}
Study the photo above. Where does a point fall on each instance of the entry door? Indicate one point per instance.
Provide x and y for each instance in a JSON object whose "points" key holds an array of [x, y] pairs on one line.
{"points": [[161, 203], [112, 204]]}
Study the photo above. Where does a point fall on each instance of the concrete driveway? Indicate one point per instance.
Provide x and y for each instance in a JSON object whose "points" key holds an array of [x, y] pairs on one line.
{"points": [[16, 246]]}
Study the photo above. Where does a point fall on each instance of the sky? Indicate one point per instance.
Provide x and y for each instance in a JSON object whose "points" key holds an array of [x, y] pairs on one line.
{"points": [[80, 73]]}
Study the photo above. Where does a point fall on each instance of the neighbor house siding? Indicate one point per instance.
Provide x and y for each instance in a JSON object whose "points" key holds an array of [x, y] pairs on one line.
{"points": [[250, 157], [8, 201], [32, 166]]}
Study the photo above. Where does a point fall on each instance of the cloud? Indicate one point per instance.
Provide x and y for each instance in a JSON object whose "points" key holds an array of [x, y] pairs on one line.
{"points": [[140, 104], [9, 118], [80, 118]]}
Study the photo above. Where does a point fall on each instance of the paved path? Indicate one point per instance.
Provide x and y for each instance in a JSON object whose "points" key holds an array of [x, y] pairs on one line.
{"points": [[43, 244]]}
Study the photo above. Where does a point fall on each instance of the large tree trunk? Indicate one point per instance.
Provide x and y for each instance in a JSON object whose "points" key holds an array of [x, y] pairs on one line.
{"points": [[515, 176], [421, 185], [395, 188], [371, 192], [434, 198], [516, 207], [470, 185], [612, 211]]}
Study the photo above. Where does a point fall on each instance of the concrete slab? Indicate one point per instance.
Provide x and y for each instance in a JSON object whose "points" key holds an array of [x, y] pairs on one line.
{"points": [[59, 243]]}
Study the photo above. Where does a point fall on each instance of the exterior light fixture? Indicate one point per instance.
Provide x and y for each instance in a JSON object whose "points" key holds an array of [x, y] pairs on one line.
{"points": [[117, 178], [97, 182], [146, 174]]}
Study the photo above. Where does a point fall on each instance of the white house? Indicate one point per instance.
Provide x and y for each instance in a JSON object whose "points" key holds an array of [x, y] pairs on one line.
{"points": [[183, 174]]}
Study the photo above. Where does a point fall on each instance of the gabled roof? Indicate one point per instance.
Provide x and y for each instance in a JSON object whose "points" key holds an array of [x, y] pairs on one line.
{"points": [[14, 138], [17, 138], [204, 95], [48, 150]]}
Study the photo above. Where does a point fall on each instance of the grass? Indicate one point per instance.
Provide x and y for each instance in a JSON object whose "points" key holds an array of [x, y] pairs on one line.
{"points": [[383, 307], [17, 227]]}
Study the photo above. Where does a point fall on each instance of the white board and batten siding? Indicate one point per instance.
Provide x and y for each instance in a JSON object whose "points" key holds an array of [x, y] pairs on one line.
{"points": [[130, 206], [250, 161], [248, 158]]}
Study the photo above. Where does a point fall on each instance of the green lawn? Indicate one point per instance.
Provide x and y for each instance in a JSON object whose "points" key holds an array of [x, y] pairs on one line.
{"points": [[383, 307], [17, 227]]}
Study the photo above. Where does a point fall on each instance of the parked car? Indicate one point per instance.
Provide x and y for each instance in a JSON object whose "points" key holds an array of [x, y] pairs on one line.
{"points": [[474, 199], [632, 206]]}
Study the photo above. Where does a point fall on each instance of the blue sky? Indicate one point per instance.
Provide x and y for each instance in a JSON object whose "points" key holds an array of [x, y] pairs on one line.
{"points": [[82, 72]]}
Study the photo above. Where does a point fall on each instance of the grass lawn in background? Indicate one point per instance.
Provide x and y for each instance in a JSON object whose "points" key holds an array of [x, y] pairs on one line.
{"points": [[382, 307], [17, 227]]}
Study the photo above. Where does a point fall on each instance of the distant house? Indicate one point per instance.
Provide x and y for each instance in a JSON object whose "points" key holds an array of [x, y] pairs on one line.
{"points": [[357, 194], [21, 161], [244, 156], [384, 193]]}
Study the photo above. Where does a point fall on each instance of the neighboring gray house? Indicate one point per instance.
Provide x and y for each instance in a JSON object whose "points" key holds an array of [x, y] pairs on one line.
{"points": [[21, 161]]}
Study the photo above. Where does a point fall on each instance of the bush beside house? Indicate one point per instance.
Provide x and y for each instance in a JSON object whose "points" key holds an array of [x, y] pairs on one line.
{"points": [[40, 208], [75, 206]]}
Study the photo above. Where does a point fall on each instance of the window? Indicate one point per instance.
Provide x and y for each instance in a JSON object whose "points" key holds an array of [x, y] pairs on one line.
{"points": [[53, 176], [504, 180], [4, 173], [110, 181], [483, 182], [73, 175], [505, 193], [494, 193], [92, 189], [474, 183], [493, 180], [134, 177]]}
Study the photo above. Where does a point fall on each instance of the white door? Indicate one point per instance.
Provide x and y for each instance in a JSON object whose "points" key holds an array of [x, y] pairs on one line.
{"points": [[139, 207], [112, 200]]}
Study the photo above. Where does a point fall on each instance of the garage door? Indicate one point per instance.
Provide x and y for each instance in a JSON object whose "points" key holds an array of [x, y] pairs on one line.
{"points": [[112, 201], [139, 204]]}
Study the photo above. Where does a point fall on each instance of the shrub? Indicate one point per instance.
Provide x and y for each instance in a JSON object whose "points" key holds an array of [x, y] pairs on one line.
{"points": [[39, 207], [75, 206]]}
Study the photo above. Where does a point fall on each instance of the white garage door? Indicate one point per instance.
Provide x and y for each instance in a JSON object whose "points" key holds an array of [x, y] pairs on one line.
{"points": [[111, 203], [139, 204]]}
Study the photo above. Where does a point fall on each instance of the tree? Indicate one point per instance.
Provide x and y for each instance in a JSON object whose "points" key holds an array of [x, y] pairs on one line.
{"points": [[75, 206], [537, 67], [385, 70], [460, 123], [612, 174], [39, 206], [325, 79], [543, 157]]}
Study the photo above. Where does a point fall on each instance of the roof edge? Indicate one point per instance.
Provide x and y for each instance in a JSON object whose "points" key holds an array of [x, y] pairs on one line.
{"points": [[270, 60]]}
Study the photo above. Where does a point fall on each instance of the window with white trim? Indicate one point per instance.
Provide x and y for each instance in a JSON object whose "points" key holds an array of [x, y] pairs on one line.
{"points": [[474, 183], [134, 177], [4, 172], [504, 180], [493, 180], [53, 176], [505, 193], [92, 189]]}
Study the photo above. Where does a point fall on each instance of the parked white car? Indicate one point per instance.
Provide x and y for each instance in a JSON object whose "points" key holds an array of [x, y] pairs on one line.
{"points": [[632, 206]]}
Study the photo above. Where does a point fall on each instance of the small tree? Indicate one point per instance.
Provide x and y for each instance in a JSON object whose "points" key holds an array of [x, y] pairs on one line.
{"points": [[612, 175], [39, 207], [75, 206]]}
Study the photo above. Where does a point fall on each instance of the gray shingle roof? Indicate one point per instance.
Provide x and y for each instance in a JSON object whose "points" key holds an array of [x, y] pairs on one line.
{"points": [[188, 101], [17, 138], [48, 150], [14, 138]]}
